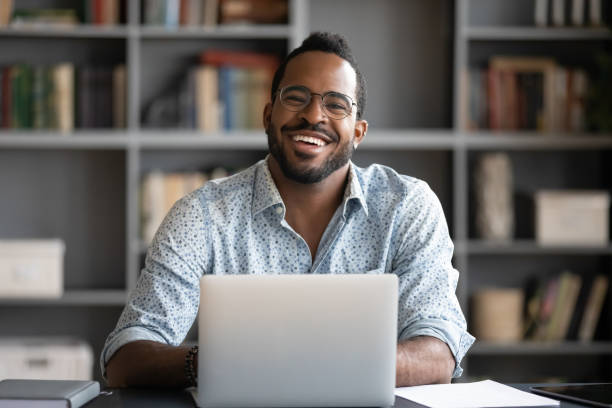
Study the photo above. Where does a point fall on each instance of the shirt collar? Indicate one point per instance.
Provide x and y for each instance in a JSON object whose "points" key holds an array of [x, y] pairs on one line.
{"points": [[353, 190], [266, 194]]}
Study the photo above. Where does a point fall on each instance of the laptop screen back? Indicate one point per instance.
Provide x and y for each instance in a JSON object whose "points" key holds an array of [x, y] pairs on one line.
{"points": [[297, 340]]}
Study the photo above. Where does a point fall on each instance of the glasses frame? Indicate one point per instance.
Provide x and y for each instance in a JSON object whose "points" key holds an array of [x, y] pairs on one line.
{"points": [[279, 93]]}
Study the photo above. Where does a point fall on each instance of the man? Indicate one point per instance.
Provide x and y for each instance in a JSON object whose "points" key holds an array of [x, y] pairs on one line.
{"points": [[305, 209]]}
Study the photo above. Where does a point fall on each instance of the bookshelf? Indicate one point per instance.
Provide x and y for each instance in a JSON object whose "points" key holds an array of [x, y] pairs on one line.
{"points": [[541, 160], [415, 127]]}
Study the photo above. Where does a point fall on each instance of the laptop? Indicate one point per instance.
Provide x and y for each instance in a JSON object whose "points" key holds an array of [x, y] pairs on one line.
{"points": [[297, 340]]}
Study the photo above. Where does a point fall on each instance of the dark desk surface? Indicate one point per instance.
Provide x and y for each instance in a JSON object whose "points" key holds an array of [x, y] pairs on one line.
{"points": [[141, 398]]}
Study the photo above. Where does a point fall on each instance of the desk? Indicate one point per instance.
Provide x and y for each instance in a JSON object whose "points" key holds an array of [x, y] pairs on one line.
{"points": [[146, 398]]}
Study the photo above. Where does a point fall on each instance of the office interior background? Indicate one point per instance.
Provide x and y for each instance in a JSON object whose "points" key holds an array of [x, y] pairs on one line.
{"points": [[112, 109]]}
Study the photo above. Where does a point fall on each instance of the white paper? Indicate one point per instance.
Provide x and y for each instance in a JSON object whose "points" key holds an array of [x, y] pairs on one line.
{"points": [[477, 394]]}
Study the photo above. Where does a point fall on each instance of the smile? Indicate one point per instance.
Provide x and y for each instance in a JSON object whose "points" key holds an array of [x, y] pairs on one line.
{"points": [[309, 139]]}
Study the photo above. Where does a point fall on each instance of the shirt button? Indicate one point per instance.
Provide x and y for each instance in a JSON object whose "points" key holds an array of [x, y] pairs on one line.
{"points": [[279, 210]]}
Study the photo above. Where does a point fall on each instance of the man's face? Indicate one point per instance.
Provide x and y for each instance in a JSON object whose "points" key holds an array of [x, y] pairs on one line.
{"points": [[290, 134]]}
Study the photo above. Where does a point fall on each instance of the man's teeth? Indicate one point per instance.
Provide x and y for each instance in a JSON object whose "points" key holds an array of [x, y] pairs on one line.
{"points": [[309, 139]]}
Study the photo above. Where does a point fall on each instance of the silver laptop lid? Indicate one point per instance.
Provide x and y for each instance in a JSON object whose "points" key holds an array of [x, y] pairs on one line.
{"points": [[297, 340]]}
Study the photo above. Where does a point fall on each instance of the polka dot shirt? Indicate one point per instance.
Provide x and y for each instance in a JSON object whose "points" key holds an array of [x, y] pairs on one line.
{"points": [[387, 223]]}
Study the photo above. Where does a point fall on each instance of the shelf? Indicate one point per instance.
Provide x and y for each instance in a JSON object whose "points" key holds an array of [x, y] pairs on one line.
{"points": [[221, 31], [102, 297], [181, 139], [403, 139], [79, 31], [47, 139], [528, 247], [485, 33], [535, 140], [482, 348]]}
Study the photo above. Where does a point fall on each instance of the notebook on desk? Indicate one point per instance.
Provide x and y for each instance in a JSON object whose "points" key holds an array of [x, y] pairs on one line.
{"points": [[297, 340]]}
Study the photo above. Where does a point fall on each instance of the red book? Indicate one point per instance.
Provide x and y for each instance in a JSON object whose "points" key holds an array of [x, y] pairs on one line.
{"points": [[98, 11], [243, 59]]}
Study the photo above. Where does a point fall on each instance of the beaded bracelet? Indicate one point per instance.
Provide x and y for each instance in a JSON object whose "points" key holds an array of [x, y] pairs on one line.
{"points": [[190, 372]]}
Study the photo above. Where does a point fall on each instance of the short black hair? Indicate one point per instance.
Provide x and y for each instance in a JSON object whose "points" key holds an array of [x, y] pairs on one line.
{"points": [[331, 43]]}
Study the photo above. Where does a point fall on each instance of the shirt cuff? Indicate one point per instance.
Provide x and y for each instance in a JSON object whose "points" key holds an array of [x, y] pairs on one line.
{"points": [[122, 338], [458, 340]]}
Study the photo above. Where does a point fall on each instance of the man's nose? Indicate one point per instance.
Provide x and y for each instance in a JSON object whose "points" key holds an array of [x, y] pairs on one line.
{"points": [[314, 112]]}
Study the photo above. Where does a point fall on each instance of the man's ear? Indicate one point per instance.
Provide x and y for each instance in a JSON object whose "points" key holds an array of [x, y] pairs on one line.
{"points": [[267, 115], [361, 127]]}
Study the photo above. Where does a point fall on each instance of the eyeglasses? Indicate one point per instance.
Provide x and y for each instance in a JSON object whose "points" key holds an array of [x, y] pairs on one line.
{"points": [[336, 105]]}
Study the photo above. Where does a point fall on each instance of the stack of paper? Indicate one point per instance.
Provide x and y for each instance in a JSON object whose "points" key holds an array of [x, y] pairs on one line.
{"points": [[477, 394]]}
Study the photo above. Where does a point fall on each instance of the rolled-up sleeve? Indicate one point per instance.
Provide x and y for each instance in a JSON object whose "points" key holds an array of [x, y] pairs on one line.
{"points": [[165, 301], [428, 305]]}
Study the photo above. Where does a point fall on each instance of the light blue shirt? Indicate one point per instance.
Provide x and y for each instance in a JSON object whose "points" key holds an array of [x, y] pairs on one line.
{"points": [[387, 223]]}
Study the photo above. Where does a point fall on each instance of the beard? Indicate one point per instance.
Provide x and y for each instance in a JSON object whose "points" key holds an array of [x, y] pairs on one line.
{"points": [[310, 175]]}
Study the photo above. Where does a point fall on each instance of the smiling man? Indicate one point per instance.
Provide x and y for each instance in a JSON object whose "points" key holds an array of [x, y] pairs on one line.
{"points": [[304, 209]]}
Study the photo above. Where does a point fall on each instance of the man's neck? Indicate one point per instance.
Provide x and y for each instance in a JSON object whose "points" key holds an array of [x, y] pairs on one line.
{"points": [[310, 198]]}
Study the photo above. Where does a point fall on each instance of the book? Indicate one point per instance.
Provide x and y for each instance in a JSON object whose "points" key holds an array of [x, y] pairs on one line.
{"points": [[253, 11], [6, 10], [595, 12], [538, 65], [577, 12], [558, 12], [564, 304], [540, 14], [47, 393], [592, 310], [119, 97], [63, 83]]}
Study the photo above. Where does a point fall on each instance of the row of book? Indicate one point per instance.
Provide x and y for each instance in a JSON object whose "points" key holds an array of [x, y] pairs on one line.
{"points": [[159, 191], [567, 306], [61, 97], [526, 93], [568, 12], [191, 13], [227, 91], [97, 12]]}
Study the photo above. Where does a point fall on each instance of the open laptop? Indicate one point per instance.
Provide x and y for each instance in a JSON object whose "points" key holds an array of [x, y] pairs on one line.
{"points": [[297, 340]]}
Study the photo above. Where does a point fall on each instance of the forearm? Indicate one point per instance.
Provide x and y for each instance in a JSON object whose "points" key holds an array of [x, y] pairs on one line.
{"points": [[148, 363], [423, 360]]}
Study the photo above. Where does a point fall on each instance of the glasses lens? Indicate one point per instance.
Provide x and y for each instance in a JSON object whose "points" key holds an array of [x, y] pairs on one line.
{"points": [[295, 97], [337, 105]]}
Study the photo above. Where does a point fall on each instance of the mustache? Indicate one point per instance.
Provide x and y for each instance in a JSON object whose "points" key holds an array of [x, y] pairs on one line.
{"points": [[304, 125]]}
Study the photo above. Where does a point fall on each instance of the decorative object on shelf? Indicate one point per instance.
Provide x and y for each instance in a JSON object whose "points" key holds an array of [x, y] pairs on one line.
{"points": [[46, 358], [572, 217], [32, 268], [497, 314], [493, 189]]}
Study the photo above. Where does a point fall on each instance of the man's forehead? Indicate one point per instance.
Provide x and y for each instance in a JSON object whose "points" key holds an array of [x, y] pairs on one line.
{"points": [[321, 71]]}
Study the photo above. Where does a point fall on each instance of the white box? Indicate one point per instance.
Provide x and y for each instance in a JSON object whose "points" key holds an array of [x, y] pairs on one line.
{"points": [[31, 268], [45, 358], [572, 217]]}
